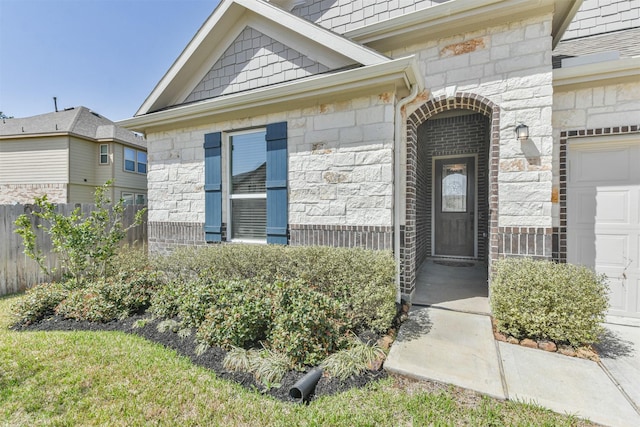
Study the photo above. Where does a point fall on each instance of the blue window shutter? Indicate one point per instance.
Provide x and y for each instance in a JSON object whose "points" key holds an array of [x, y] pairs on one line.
{"points": [[212, 187], [277, 203]]}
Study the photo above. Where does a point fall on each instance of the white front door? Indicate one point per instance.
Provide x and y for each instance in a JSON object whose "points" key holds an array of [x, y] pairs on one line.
{"points": [[603, 220]]}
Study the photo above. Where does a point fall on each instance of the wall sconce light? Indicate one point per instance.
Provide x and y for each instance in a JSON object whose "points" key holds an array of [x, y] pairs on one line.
{"points": [[522, 132]]}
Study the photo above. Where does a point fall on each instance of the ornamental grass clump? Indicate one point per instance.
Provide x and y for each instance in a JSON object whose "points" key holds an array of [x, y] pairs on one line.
{"points": [[564, 303]]}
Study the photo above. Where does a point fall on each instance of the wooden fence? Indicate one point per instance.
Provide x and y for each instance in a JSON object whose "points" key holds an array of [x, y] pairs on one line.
{"points": [[18, 272]]}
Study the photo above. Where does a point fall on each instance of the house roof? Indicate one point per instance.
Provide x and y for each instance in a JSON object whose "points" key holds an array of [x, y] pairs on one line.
{"points": [[79, 121], [449, 17], [624, 42], [334, 51], [227, 21]]}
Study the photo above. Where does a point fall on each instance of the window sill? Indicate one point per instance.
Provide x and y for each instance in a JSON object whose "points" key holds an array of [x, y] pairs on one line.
{"points": [[248, 241]]}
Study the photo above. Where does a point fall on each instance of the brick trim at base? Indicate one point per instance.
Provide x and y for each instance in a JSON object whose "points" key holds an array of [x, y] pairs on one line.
{"points": [[350, 236]]}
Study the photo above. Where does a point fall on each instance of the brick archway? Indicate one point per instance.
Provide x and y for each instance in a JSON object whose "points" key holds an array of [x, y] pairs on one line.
{"points": [[462, 101]]}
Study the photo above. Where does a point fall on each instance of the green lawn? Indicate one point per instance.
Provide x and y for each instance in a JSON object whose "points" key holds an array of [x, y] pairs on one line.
{"points": [[106, 378]]}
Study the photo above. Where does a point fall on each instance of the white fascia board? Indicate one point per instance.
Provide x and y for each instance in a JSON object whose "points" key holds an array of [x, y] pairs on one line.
{"points": [[445, 19], [564, 13], [306, 29], [404, 69], [598, 74]]}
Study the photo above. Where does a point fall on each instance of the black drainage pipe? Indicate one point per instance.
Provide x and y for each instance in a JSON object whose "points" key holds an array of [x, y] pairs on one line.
{"points": [[302, 389]]}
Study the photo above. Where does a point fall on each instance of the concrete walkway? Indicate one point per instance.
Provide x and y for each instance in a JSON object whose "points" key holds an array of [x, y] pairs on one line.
{"points": [[458, 348]]}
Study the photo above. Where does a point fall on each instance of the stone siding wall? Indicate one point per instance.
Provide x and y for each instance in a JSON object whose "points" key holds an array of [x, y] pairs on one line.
{"points": [[340, 171], [509, 65], [344, 15], [26, 193], [253, 60]]}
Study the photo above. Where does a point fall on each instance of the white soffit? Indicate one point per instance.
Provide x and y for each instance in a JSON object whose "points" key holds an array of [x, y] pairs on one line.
{"points": [[402, 72], [227, 22]]}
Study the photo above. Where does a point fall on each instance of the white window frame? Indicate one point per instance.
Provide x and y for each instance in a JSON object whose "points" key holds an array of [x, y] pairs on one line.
{"points": [[103, 154], [135, 160], [135, 198], [230, 197]]}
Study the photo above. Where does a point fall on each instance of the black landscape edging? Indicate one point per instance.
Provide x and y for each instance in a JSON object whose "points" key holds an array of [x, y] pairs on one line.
{"points": [[211, 359]]}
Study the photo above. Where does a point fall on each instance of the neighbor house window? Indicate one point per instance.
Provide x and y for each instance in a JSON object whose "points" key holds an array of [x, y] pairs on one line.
{"points": [[104, 154], [247, 192], [142, 162], [141, 199], [128, 198], [135, 161]]}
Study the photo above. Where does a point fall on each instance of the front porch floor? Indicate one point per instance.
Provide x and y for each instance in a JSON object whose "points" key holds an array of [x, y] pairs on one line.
{"points": [[459, 285]]}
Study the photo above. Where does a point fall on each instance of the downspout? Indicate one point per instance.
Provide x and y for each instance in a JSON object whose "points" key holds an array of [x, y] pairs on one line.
{"points": [[397, 182]]}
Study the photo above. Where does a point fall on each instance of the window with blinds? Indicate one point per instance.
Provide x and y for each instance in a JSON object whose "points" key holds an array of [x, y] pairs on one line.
{"points": [[248, 194]]}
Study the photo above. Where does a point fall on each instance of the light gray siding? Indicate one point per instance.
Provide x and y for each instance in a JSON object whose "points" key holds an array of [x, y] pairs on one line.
{"points": [[344, 15], [254, 60], [83, 158], [602, 16], [42, 160]]}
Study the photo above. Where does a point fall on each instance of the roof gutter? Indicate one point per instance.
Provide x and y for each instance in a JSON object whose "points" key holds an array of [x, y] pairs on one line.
{"points": [[404, 69]]}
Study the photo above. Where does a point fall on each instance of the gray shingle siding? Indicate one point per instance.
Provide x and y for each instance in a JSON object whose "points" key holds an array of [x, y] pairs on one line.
{"points": [[600, 16]]}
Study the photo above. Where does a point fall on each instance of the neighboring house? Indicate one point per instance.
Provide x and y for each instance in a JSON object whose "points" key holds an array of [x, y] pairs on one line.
{"points": [[392, 125], [66, 155]]}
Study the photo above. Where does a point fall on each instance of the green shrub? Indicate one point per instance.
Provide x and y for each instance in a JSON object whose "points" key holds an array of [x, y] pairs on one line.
{"points": [[165, 302], [128, 291], [86, 245], [195, 299], [240, 314], [39, 302], [362, 281], [545, 300], [308, 325], [90, 302]]}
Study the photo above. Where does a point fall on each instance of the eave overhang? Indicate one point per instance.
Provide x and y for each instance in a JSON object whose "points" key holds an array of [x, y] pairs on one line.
{"points": [[625, 70], [458, 16], [401, 72]]}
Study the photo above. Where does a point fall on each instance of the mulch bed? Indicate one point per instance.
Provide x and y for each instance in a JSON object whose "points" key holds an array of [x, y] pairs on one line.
{"points": [[211, 359]]}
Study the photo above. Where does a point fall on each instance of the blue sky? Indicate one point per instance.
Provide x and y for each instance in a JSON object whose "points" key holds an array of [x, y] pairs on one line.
{"points": [[104, 54]]}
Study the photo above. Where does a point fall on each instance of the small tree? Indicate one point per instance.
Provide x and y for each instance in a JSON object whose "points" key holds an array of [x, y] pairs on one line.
{"points": [[86, 245]]}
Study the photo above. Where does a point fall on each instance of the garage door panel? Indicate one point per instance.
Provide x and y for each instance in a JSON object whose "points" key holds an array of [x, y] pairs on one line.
{"points": [[603, 220], [611, 250], [587, 166], [617, 294], [584, 209], [612, 206], [584, 250]]}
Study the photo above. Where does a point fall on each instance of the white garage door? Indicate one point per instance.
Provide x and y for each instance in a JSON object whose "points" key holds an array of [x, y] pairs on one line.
{"points": [[603, 221]]}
